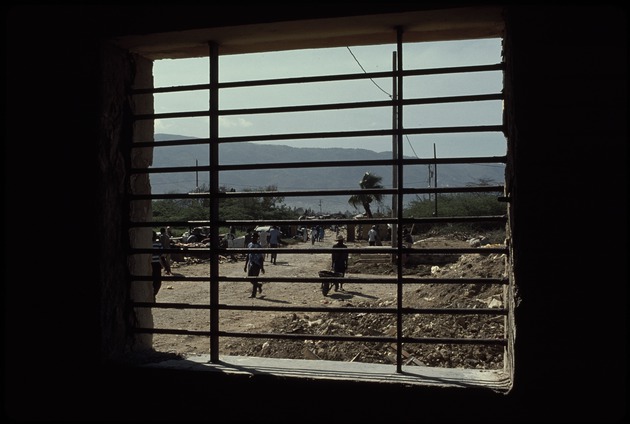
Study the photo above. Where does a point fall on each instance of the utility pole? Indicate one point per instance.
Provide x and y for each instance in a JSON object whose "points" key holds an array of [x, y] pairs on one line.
{"points": [[196, 176]]}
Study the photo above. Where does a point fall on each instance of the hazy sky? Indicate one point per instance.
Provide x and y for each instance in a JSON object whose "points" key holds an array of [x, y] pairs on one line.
{"points": [[344, 60]]}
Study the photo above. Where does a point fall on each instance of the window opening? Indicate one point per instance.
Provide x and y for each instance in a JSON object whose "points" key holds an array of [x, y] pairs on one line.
{"points": [[419, 132]]}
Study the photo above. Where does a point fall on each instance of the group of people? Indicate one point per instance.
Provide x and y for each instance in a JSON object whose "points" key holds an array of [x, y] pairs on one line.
{"points": [[317, 234], [255, 262]]}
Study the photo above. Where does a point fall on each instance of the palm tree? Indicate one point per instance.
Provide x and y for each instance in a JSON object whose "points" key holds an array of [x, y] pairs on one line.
{"points": [[367, 182]]}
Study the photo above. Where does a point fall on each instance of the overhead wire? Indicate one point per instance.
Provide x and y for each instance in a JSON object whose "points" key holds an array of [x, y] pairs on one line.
{"points": [[384, 91]]}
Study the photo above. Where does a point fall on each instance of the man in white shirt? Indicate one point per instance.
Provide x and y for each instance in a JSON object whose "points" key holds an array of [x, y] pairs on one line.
{"points": [[274, 241], [372, 236]]}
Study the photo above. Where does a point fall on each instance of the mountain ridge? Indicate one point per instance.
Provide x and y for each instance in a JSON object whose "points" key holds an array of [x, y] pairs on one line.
{"points": [[330, 177]]}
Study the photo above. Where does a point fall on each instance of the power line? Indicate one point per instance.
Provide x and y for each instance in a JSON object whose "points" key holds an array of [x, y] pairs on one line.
{"points": [[389, 95], [365, 72]]}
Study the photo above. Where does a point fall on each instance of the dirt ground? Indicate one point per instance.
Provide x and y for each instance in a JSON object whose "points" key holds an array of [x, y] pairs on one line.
{"points": [[354, 295]]}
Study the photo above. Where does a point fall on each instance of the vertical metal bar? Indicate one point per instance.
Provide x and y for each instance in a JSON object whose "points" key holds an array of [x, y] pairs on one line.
{"points": [[214, 200], [394, 231], [435, 210], [399, 136]]}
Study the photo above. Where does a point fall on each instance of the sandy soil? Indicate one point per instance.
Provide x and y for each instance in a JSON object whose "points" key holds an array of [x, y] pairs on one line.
{"points": [[354, 294]]}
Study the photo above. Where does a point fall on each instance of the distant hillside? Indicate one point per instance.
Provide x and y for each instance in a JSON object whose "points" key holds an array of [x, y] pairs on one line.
{"points": [[303, 179]]}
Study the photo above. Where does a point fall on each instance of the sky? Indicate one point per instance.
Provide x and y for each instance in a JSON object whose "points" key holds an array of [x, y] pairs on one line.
{"points": [[344, 60]]}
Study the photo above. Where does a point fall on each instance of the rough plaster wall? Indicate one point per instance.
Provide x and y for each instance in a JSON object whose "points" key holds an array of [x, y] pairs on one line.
{"points": [[141, 210], [119, 70], [511, 290]]}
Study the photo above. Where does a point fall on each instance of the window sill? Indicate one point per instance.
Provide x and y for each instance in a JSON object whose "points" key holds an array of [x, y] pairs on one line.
{"points": [[496, 380]]}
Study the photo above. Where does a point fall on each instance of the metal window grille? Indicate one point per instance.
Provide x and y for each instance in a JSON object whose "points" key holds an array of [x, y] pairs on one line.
{"points": [[399, 165]]}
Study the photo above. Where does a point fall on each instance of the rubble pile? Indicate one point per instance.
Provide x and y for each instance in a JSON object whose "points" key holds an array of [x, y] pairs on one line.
{"points": [[414, 325]]}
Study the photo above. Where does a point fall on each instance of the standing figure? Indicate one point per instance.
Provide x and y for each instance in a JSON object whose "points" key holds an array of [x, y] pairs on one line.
{"points": [[340, 260], [165, 239], [274, 241], [254, 264], [372, 236], [407, 243], [156, 264]]}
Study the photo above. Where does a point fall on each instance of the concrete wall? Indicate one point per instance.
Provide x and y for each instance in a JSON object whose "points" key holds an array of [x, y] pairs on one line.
{"points": [[67, 314]]}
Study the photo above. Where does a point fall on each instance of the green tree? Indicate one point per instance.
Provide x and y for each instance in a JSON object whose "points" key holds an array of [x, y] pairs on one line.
{"points": [[458, 204], [240, 208], [369, 181]]}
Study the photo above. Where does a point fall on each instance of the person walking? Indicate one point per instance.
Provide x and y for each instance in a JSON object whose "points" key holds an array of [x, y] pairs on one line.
{"points": [[340, 260], [165, 239], [156, 264], [254, 264]]}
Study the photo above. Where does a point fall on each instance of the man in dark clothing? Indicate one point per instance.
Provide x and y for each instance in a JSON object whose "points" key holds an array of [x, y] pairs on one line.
{"points": [[156, 264], [340, 260], [165, 239], [255, 264]]}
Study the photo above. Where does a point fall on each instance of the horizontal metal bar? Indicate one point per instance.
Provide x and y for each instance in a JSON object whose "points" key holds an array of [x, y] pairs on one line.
{"points": [[353, 280], [330, 221], [365, 133], [293, 336], [335, 134], [457, 341], [265, 308], [368, 339], [323, 78], [322, 164], [454, 70], [374, 250], [346, 310], [318, 193], [310, 135], [317, 280], [170, 89], [306, 336], [365, 75], [453, 99], [306, 108], [174, 331], [338, 309], [170, 143], [349, 105], [273, 165], [329, 250], [449, 130], [321, 107], [305, 80], [365, 221], [172, 115], [302, 165]]}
